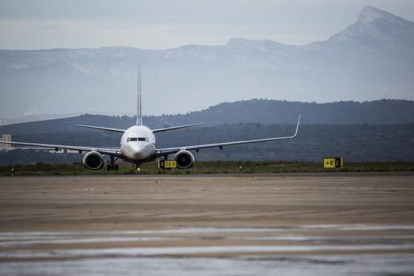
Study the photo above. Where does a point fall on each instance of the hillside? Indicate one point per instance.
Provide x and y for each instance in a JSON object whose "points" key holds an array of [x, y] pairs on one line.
{"points": [[267, 112], [284, 112], [368, 131]]}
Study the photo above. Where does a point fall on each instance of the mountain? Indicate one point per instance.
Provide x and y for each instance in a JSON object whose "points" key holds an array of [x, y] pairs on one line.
{"points": [[379, 29], [370, 60]]}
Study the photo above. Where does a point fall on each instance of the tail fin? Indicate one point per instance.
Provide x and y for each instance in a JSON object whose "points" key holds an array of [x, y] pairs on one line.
{"points": [[139, 101]]}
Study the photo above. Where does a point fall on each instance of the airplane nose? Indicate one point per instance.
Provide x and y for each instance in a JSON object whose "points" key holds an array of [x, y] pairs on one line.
{"points": [[136, 147], [137, 150]]}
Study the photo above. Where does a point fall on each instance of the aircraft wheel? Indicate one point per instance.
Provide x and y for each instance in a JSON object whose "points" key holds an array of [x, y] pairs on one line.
{"points": [[116, 167], [108, 168]]}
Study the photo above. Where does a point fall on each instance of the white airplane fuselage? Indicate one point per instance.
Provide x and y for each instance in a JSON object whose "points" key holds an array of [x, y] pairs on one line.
{"points": [[138, 143]]}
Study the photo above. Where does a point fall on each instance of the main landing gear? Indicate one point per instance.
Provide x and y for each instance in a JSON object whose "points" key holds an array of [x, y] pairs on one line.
{"points": [[112, 166]]}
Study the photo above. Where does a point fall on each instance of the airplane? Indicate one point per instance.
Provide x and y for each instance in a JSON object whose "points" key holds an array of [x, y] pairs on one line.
{"points": [[137, 144]]}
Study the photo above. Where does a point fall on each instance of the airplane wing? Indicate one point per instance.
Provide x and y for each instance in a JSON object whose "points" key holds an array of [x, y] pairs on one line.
{"points": [[173, 128], [163, 151], [107, 151], [104, 128]]}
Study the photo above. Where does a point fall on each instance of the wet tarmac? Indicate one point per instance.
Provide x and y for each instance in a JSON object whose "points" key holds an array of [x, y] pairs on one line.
{"points": [[207, 226], [308, 250]]}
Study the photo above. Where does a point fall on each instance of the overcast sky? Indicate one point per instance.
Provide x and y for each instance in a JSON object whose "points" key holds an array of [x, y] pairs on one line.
{"points": [[152, 24]]}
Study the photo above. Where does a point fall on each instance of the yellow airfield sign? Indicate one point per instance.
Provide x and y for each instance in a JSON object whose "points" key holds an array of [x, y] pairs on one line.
{"points": [[330, 163], [167, 164]]}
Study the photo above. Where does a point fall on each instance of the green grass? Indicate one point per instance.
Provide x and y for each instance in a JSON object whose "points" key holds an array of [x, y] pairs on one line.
{"points": [[210, 167]]}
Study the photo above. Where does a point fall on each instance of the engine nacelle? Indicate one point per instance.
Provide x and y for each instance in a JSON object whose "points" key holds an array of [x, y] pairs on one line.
{"points": [[185, 159], [93, 161]]}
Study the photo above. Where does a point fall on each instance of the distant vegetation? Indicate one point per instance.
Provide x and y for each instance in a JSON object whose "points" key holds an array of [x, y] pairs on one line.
{"points": [[212, 167], [267, 112], [283, 112], [353, 142], [356, 131]]}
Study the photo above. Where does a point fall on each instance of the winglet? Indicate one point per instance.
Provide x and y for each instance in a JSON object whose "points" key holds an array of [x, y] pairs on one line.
{"points": [[297, 127]]}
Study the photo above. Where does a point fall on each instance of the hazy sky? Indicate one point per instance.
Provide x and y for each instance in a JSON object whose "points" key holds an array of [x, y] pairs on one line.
{"points": [[152, 24]]}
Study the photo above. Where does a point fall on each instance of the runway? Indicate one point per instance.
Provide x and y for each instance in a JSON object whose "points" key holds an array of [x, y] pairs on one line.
{"points": [[299, 224]]}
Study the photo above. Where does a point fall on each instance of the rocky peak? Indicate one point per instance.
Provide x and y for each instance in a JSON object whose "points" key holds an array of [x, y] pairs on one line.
{"points": [[370, 14], [376, 27]]}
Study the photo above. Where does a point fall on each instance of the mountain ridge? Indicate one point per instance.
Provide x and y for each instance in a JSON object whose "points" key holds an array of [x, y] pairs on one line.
{"points": [[193, 77]]}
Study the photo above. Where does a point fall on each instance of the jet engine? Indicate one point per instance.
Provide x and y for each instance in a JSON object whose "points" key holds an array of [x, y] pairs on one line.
{"points": [[93, 161], [185, 159]]}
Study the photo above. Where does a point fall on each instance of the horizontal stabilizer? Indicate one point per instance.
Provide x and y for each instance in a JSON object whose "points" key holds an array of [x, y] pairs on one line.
{"points": [[173, 128], [104, 128]]}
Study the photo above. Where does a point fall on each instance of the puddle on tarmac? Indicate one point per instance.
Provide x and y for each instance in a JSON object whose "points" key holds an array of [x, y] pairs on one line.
{"points": [[305, 250]]}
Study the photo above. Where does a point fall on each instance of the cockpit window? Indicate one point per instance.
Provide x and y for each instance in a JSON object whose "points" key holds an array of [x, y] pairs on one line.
{"points": [[135, 139]]}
